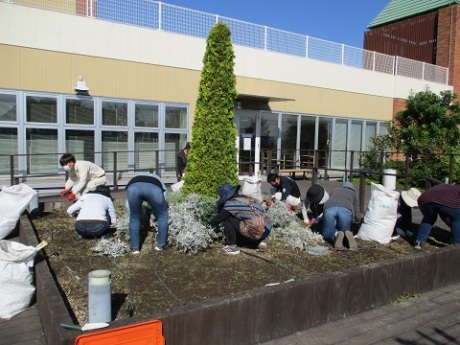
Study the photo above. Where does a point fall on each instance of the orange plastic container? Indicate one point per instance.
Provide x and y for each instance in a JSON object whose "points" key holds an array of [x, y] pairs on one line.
{"points": [[150, 332]]}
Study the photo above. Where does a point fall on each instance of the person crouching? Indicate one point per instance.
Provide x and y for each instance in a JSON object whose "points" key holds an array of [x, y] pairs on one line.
{"points": [[95, 213], [245, 220]]}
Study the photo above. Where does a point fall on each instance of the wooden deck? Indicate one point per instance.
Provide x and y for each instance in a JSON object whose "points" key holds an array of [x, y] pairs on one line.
{"points": [[23, 329]]}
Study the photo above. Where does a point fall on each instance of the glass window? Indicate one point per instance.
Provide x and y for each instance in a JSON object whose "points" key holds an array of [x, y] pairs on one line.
{"points": [[80, 143], [146, 115], [7, 107], [176, 117], [324, 141], [307, 140], [289, 140], [8, 146], [114, 114], [339, 144], [173, 144], [114, 142], [247, 132], [42, 145], [80, 111], [145, 144], [41, 109], [355, 141], [371, 131]]}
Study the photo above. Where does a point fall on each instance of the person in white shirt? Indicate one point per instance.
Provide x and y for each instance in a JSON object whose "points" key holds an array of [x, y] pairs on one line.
{"points": [[95, 213], [84, 176]]}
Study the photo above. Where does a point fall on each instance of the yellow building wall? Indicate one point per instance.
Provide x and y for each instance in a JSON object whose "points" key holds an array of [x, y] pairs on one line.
{"points": [[48, 71]]}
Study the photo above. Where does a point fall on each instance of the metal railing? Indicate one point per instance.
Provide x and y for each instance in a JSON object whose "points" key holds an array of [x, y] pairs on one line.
{"points": [[164, 17], [317, 162]]}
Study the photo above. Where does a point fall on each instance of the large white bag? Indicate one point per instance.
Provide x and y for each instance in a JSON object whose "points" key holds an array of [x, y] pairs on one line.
{"points": [[13, 201], [381, 215], [16, 280], [175, 187], [252, 188]]}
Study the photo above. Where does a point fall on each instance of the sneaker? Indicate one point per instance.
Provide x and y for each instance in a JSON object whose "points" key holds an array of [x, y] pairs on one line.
{"points": [[417, 245], [338, 242], [262, 246], [231, 250], [160, 248], [351, 240], [135, 252]]}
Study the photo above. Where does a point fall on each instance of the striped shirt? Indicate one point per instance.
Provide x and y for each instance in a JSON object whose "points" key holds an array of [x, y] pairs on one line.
{"points": [[443, 194]]}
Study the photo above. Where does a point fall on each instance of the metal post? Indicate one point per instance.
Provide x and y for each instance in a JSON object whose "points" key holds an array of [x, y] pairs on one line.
{"points": [[115, 170], [11, 170]]}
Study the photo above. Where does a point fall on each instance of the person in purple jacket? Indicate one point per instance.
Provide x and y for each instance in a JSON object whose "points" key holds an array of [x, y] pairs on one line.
{"points": [[442, 200]]}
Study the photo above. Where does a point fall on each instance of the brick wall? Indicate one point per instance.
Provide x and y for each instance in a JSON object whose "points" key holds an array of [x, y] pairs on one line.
{"points": [[448, 43]]}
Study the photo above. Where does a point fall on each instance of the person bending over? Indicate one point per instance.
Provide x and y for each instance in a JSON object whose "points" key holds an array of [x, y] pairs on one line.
{"points": [[245, 220]]}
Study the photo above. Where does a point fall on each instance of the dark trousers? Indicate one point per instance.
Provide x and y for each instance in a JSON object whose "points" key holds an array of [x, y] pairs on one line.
{"points": [[233, 235]]}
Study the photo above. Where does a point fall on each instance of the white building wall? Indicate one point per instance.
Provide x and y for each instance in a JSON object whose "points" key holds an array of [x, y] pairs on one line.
{"points": [[35, 28]]}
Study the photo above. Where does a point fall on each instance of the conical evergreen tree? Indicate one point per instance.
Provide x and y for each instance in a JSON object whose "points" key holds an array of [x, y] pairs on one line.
{"points": [[212, 158]]}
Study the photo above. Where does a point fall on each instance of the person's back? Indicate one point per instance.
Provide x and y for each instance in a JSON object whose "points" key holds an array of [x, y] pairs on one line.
{"points": [[94, 212]]}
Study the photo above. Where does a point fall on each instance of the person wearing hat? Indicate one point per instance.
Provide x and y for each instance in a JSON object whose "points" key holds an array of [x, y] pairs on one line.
{"points": [[95, 213], [245, 220], [284, 189], [407, 201], [314, 202], [181, 162], [339, 211], [441, 200], [151, 189]]}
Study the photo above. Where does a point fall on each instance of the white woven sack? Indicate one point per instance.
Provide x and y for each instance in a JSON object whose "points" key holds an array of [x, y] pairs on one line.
{"points": [[381, 215], [175, 187], [13, 201], [16, 280], [252, 188]]}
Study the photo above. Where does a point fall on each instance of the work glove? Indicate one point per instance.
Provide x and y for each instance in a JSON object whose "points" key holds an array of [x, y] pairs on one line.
{"points": [[71, 196], [63, 192]]}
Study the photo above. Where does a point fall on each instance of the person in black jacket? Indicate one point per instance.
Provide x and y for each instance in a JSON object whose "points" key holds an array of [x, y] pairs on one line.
{"points": [[284, 189], [314, 204], [181, 162]]}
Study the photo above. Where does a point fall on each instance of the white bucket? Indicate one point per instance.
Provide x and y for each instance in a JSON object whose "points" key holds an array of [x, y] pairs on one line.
{"points": [[389, 178]]}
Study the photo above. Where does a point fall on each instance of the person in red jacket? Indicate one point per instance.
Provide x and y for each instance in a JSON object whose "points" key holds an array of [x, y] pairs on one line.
{"points": [[442, 200]]}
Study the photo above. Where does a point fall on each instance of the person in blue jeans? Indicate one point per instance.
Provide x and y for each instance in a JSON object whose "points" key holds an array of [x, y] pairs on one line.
{"points": [[442, 200], [151, 189], [339, 212]]}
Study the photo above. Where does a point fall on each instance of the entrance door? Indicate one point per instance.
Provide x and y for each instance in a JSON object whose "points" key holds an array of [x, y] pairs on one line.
{"points": [[258, 137], [246, 124]]}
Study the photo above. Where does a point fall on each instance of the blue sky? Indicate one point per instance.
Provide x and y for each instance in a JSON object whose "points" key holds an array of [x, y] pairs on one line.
{"points": [[341, 21]]}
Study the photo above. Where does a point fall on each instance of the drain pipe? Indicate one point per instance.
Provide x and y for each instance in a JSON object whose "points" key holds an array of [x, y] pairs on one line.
{"points": [[99, 296]]}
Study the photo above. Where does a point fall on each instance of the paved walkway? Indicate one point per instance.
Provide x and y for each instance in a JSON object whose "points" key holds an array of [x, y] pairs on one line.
{"points": [[431, 318]]}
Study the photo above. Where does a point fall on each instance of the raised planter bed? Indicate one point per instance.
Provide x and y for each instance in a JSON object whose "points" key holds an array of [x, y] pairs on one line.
{"points": [[270, 312]]}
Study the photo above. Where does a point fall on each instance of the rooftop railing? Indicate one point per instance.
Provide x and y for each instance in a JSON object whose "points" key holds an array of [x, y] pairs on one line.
{"points": [[164, 17]]}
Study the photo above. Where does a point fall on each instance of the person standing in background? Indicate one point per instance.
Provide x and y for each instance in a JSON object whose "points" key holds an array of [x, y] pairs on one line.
{"points": [[181, 163]]}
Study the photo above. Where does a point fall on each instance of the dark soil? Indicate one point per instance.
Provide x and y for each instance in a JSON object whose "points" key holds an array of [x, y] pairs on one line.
{"points": [[157, 281]]}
